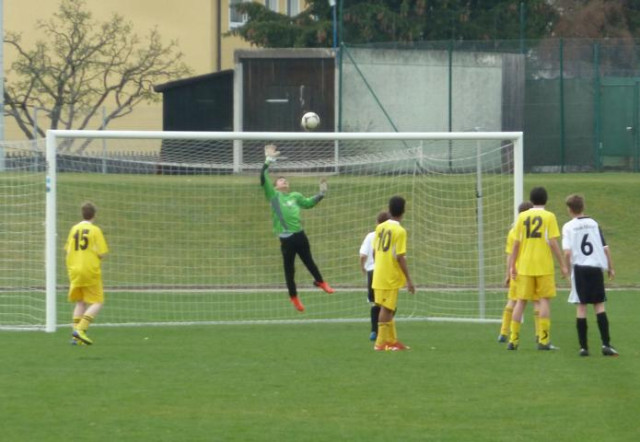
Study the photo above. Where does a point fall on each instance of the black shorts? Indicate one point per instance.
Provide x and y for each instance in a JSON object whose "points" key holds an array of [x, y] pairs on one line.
{"points": [[589, 284], [370, 294]]}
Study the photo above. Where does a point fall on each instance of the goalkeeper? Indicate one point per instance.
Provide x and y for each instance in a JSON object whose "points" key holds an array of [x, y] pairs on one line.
{"points": [[285, 213]]}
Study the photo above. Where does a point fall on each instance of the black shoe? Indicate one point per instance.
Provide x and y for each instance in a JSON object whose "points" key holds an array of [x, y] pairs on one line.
{"points": [[584, 352], [548, 346], [512, 346], [608, 350], [502, 338]]}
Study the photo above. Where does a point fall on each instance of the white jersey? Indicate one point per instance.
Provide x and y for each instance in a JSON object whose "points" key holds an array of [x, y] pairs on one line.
{"points": [[366, 249], [582, 236]]}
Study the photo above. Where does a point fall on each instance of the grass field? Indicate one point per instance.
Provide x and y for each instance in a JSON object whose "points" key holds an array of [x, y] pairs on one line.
{"points": [[214, 232], [242, 223], [322, 382]]}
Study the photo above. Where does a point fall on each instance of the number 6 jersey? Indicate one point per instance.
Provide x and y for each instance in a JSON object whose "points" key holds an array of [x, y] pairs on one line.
{"points": [[584, 238]]}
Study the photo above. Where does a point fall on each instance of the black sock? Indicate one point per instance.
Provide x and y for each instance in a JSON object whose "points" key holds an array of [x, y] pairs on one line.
{"points": [[581, 325], [375, 312], [603, 325]]}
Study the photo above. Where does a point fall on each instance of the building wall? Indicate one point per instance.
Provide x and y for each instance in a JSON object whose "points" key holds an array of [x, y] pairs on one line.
{"points": [[193, 23], [413, 88]]}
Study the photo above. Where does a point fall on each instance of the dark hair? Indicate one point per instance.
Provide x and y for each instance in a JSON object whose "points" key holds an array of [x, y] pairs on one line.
{"points": [[538, 196], [396, 206], [382, 217], [575, 203], [88, 211], [525, 205]]}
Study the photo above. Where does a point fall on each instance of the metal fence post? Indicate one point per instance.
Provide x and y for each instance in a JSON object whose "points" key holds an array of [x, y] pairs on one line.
{"points": [[562, 128], [523, 23], [104, 140], [597, 129], [36, 163]]}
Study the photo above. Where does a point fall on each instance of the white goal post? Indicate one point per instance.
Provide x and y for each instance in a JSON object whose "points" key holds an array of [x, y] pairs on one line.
{"points": [[190, 233]]}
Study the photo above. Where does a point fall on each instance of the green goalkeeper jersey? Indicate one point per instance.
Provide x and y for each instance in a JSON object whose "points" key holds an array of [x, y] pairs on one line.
{"points": [[285, 207]]}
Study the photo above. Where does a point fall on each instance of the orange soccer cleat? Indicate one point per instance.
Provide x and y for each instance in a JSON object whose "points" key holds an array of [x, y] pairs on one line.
{"points": [[297, 304], [324, 286], [398, 346]]}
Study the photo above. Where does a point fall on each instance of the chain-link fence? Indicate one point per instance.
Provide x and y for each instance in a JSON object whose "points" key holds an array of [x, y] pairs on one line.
{"points": [[577, 101]]}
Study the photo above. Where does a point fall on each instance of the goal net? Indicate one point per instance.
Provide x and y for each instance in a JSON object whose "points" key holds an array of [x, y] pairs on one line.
{"points": [[22, 233], [189, 227]]}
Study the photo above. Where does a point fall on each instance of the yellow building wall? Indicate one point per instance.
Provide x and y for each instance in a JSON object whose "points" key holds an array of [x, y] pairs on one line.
{"points": [[193, 23]]}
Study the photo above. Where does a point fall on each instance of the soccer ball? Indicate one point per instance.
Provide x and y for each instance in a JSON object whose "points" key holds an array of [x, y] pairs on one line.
{"points": [[310, 121]]}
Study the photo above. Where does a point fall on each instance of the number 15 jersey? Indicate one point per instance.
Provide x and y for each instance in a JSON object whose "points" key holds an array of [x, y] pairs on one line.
{"points": [[534, 228], [389, 242], [85, 245]]}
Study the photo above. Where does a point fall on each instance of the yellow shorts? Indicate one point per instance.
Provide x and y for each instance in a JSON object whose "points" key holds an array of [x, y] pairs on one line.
{"points": [[387, 298], [513, 290], [92, 294], [533, 288]]}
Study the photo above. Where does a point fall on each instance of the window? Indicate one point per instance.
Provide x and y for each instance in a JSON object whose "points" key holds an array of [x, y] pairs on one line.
{"points": [[235, 18], [293, 7], [271, 4]]}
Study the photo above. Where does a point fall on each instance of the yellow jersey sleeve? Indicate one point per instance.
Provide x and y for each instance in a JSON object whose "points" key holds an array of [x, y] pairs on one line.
{"points": [[511, 236]]}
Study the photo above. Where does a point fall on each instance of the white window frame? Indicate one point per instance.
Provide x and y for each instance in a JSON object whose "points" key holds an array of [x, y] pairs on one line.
{"points": [[234, 23]]}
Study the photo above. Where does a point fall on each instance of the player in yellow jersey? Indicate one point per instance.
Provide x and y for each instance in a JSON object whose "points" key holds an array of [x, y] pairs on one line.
{"points": [[536, 241], [507, 313], [85, 248], [390, 273]]}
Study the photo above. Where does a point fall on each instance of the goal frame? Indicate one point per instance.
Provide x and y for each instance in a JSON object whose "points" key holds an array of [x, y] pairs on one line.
{"points": [[51, 171]]}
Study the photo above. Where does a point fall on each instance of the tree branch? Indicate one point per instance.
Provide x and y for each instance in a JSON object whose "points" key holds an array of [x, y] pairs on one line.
{"points": [[85, 66]]}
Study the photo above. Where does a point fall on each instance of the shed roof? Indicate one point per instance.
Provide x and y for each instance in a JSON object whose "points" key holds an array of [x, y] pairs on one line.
{"points": [[191, 80]]}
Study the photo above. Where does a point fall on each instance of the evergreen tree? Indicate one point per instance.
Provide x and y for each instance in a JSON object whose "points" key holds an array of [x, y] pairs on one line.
{"points": [[368, 21]]}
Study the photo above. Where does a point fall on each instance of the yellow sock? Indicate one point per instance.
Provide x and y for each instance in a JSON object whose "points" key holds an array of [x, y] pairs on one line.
{"points": [[506, 321], [383, 334], [393, 334], [76, 321], [536, 323], [545, 330], [515, 333], [84, 323]]}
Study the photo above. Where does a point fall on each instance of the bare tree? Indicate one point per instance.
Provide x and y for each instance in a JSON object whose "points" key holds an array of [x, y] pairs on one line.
{"points": [[84, 65]]}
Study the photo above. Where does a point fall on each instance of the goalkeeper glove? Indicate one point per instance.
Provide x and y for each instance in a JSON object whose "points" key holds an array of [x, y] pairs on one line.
{"points": [[323, 186], [271, 153]]}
